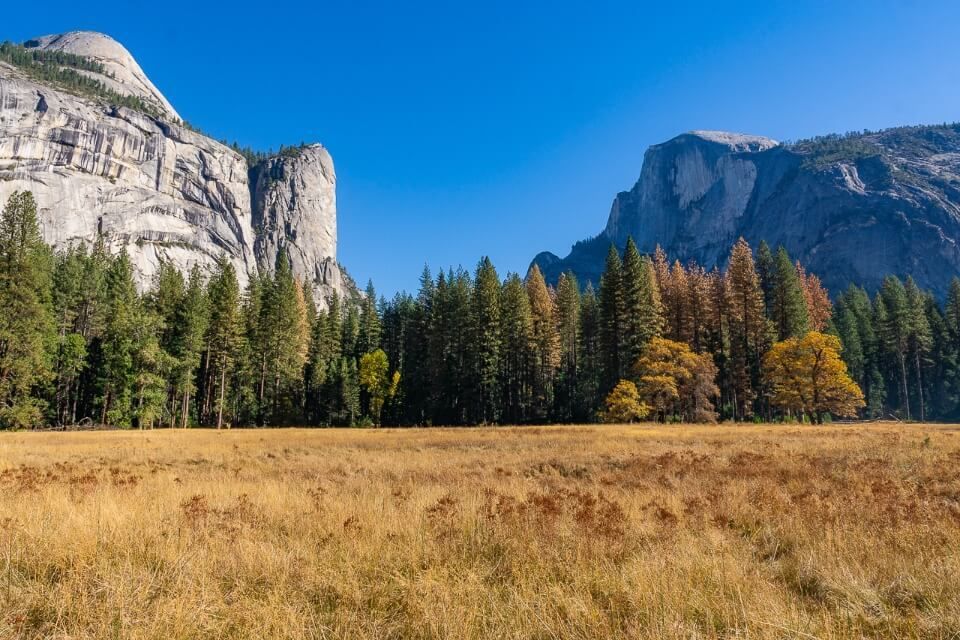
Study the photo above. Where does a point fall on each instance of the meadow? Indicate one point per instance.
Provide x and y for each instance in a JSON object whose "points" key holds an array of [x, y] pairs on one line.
{"points": [[776, 531]]}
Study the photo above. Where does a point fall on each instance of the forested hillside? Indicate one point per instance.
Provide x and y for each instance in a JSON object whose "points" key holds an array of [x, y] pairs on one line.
{"points": [[80, 345]]}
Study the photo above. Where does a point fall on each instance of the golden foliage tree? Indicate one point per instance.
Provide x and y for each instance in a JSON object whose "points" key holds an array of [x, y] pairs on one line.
{"points": [[674, 380], [623, 404], [807, 377]]}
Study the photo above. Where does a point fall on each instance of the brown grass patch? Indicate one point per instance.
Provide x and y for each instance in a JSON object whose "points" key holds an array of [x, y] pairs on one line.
{"points": [[566, 532]]}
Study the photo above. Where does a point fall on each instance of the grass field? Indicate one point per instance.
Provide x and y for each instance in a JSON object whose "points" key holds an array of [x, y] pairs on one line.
{"points": [[561, 532]]}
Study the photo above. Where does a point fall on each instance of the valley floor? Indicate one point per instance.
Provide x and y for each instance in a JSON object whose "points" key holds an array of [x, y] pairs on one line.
{"points": [[559, 532]]}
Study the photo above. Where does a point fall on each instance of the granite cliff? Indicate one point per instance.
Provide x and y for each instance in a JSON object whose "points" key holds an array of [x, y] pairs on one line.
{"points": [[141, 180], [852, 208]]}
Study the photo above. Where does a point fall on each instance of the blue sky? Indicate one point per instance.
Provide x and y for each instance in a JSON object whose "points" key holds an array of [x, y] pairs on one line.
{"points": [[506, 128]]}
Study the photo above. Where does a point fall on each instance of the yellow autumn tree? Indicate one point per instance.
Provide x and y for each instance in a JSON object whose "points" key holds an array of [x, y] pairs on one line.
{"points": [[623, 405], [808, 377], [674, 380]]}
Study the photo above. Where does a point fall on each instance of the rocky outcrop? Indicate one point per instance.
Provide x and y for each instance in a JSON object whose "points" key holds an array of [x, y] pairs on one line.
{"points": [[295, 208], [123, 74], [852, 208], [155, 188]]}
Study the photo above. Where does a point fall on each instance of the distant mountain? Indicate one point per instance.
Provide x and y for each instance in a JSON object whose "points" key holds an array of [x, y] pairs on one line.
{"points": [[852, 208], [106, 155]]}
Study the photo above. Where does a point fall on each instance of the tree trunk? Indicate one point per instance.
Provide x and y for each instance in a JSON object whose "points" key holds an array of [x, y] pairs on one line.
{"points": [[223, 379], [916, 353], [903, 380]]}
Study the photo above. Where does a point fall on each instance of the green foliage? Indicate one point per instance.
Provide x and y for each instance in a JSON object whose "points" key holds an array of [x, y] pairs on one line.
{"points": [[26, 323], [80, 344]]}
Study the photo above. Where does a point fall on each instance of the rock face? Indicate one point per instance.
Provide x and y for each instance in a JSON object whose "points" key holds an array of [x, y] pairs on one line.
{"points": [[295, 207], [852, 209], [155, 188], [124, 74]]}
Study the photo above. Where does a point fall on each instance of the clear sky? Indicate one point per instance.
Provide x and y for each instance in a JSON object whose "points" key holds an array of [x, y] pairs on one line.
{"points": [[506, 128]]}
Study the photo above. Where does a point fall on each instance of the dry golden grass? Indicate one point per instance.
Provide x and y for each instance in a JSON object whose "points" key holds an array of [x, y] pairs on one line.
{"points": [[566, 532]]}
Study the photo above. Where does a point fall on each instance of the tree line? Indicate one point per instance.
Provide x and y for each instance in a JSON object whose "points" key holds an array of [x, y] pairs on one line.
{"points": [[759, 340]]}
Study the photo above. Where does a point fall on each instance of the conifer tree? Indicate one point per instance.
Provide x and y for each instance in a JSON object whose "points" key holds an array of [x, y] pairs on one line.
{"points": [[767, 270], [819, 308], [190, 326], [641, 312], [920, 340], [568, 331], [611, 322], [676, 302], [284, 340], [518, 356], [546, 343], [591, 357], [485, 345], [748, 327], [27, 329], [224, 332], [894, 323], [370, 327], [121, 317], [788, 307]]}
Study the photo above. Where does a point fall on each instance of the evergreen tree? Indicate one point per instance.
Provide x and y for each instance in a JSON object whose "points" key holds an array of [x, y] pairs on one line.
{"points": [[640, 317], [283, 342], [767, 269], [611, 322], [118, 344], [370, 327], [894, 325], [189, 330], [788, 308], [518, 352], [591, 361], [485, 345], [568, 331], [224, 333], [27, 329], [920, 341]]}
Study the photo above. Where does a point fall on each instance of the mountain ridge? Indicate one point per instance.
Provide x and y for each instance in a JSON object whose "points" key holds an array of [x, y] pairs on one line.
{"points": [[852, 208]]}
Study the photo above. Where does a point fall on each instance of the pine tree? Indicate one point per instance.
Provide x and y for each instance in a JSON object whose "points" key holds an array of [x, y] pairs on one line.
{"points": [[568, 331], [748, 328], [370, 327], [591, 361], [699, 303], [920, 340], [788, 308], [819, 308], [893, 320], [611, 322], [224, 331], [767, 270], [122, 314], [546, 343], [284, 341], [518, 351], [676, 303], [485, 345], [190, 326], [27, 329], [641, 312]]}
